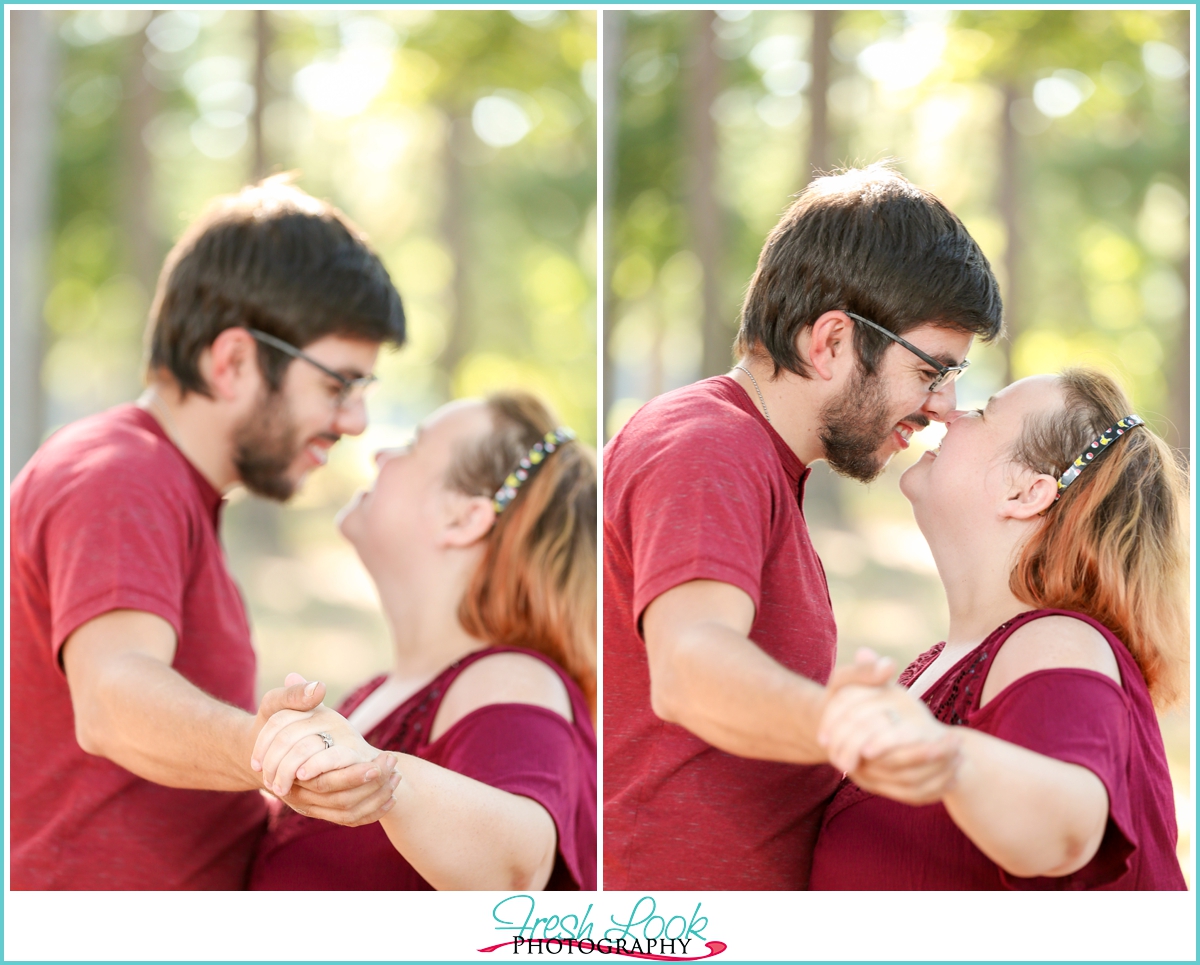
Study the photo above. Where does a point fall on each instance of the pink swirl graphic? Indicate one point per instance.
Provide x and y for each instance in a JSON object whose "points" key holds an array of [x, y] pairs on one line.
{"points": [[714, 948]]}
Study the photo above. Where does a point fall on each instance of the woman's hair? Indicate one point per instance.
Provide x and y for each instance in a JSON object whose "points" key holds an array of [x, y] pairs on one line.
{"points": [[1113, 546], [536, 584]]}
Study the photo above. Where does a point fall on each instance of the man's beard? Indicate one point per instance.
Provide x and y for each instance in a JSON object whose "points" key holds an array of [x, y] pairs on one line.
{"points": [[856, 424], [265, 446]]}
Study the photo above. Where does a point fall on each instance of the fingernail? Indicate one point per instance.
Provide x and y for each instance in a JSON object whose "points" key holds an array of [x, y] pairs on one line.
{"points": [[255, 765], [393, 760], [308, 691], [302, 774], [395, 779], [390, 804], [371, 775]]}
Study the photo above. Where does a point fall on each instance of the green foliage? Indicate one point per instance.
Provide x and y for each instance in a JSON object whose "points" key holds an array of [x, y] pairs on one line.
{"points": [[1095, 100]]}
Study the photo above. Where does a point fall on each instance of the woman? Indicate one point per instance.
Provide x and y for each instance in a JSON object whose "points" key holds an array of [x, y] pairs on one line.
{"points": [[481, 539], [1055, 520]]}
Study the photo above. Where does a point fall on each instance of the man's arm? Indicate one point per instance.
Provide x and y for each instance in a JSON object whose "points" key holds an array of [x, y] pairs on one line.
{"points": [[134, 709], [707, 676]]}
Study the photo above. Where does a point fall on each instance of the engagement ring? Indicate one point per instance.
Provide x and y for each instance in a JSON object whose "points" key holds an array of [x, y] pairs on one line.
{"points": [[327, 739]]}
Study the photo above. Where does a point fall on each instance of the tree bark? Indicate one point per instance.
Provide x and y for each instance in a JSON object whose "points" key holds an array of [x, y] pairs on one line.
{"points": [[612, 25], [262, 47], [33, 77], [702, 203], [1009, 203], [818, 128], [454, 232], [137, 174]]}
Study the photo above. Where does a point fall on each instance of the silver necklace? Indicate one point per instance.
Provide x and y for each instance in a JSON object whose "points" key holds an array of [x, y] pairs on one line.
{"points": [[756, 389]]}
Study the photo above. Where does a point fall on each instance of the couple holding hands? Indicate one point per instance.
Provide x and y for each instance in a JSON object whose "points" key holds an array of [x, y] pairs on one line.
{"points": [[138, 758], [1023, 752]]}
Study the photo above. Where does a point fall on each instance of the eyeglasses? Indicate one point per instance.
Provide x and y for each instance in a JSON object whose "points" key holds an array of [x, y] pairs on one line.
{"points": [[945, 373], [350, 391]]}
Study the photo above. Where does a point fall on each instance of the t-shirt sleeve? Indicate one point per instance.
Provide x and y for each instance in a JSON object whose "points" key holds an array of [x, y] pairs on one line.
{"points": [[1083, 718], [534, 752], [701, 509], [115, 540]]}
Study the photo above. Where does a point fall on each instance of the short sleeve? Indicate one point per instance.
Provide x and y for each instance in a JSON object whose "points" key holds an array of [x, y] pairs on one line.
{"points": [[115, 540], [1081, 717], [534, 752], [701, 509]]}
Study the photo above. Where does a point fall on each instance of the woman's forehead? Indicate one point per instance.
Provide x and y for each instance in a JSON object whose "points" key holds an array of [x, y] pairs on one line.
{"points": [[458, 418], [1035, 393]]}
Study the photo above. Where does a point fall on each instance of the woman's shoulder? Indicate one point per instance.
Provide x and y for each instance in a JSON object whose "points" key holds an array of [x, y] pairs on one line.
{"points": [[503, 677], [1052, 641]]}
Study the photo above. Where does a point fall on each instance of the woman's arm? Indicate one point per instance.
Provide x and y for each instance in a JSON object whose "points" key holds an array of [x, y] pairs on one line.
{"points": [[462, 834], [1031, 814], [457, 832]]}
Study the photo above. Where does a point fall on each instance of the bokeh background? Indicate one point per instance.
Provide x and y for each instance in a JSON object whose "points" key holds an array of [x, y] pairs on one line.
{"points": [[1061, 138], [463, 142]]}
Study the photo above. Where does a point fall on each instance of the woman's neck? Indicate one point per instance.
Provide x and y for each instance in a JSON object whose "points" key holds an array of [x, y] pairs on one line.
{"points": [[975, 571], [426, 633]]}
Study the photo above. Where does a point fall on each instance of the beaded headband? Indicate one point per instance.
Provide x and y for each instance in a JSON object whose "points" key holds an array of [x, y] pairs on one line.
{"points": [[530, 465], [1102, 442]]}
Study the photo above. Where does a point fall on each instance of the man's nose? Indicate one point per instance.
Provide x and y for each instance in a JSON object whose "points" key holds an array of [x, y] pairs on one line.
{"points": [[938, 405], [351, 419]]}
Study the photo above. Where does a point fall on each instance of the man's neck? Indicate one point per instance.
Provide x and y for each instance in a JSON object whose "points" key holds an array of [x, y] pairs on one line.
{"points": [[787, 401], [196, 428]]}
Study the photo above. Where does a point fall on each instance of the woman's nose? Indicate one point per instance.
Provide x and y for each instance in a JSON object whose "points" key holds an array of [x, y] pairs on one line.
{"points": [[952, 415], [383, 455]]}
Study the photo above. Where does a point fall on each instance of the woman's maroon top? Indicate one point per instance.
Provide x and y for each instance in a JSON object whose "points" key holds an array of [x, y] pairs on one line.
{"points": [[1074, 715], [520, 748]]}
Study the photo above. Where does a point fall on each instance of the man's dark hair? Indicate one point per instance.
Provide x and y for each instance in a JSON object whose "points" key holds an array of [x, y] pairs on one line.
{"points": [[870, 242], [273, 258]]}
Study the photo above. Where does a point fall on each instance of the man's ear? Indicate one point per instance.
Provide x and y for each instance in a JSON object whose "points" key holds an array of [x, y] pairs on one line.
{"points": [[468, 520], [1031, 495], [830, 343], [230, 364]]}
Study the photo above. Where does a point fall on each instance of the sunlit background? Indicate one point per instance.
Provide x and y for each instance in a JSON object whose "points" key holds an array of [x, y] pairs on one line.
{"points": [[463, 143], [1061, 139]]}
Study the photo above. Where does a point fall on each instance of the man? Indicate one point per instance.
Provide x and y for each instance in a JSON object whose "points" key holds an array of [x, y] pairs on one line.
{"points": [[718, 631], [133, 675]]}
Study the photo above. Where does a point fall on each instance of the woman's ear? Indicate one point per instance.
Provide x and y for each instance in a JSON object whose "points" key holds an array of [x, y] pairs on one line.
{"points": [[468, 520], [1031, 495]]}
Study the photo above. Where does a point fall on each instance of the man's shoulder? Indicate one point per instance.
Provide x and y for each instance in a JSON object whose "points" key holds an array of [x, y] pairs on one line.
{"points": [[707, 413], [117, 448], [701, 434]]}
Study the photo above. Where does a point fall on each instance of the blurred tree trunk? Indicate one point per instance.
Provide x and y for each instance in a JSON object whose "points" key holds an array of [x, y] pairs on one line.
{"points": [[454, 233], [262, 47], [137, 174], [701, 132], [1009, 202], [33, 74], [818, 128], [1179, 380], [612, 39]]}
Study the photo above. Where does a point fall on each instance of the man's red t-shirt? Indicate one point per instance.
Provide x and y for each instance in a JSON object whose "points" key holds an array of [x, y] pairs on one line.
{"points": [[698, 486], [109, 515]]}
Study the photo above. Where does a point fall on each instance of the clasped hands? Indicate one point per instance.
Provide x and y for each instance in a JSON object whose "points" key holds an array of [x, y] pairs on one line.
{"points": [[348, 783], [884, 738]]}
